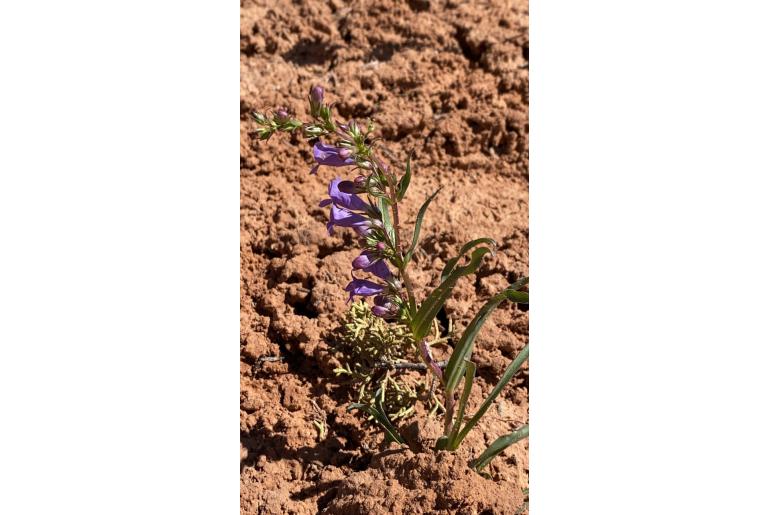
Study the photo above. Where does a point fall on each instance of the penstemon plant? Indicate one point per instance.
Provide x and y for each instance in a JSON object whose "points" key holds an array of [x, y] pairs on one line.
{"points": [[369, 205]]}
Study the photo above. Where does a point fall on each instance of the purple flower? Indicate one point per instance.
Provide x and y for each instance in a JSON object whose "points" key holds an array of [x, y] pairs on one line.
{"points": [[384, 307], [330, 156], [380, 269], [358, 185], [341, 217], [365, 260], [341, 199], [343, 205], [364, 288], [369, 261]]}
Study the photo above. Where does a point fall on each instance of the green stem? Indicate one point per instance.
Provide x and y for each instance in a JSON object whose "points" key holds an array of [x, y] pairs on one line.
{"points": [[393, 186]]}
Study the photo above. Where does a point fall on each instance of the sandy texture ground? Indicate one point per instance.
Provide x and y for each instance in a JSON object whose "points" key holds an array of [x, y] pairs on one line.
{"points": [[449, 81]]}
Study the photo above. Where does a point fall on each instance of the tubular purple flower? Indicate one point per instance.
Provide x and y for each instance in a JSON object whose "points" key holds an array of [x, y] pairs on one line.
{"points": [[380, 269], [363, 288], [341, 217], [343, 199], [365, 260], [363, 230], [358, 185], [330, 156], [384, 307]]}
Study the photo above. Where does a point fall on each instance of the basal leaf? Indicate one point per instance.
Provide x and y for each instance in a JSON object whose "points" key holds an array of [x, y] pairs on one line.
{"points": [[464, 348], [499, 446], [470, 373], [423, 319], [507, 376]]}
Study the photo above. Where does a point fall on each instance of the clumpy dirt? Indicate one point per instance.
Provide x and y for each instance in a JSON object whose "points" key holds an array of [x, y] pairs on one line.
{"points": [[449, 81]]}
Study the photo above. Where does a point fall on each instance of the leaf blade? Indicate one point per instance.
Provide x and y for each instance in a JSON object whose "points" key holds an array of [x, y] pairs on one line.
{"points": [[387, 222], [403, 184], [504, 379], [499, 446], [418, 226], [430, 307], [470, 374], [390, 431]]}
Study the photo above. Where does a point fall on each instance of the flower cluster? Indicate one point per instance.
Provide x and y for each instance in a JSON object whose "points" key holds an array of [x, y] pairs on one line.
{"points": [[347, 208]]}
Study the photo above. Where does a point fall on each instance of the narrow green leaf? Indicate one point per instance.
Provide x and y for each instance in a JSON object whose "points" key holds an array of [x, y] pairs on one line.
{"points": [[470, 373], [464, 348], [519, 297], [384, 205], [507, 376], [422, 321], [403, 184], [418, 225], [390, 431], [465, 248], [499, 446]]}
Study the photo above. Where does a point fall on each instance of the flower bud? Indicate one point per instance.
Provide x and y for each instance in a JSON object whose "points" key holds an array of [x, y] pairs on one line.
{"points": [[316, 100], [317, 94], [384, 307], [380, 246], [281, 115]]}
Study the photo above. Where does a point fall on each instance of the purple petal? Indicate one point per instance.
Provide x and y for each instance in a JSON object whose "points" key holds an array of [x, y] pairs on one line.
{"points": [[363, 230], [363, 287], [384, 307], [365, 260], [380, 269], [380, 311], [348, 187], [343, 218], [346, 200], [314, 169], [330, 156]]}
